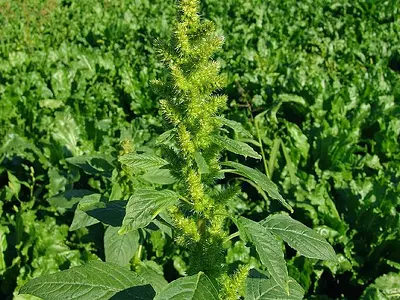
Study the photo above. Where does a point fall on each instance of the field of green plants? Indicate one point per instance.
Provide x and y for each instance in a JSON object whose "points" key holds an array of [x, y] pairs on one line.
{"points": [[120, 156]]}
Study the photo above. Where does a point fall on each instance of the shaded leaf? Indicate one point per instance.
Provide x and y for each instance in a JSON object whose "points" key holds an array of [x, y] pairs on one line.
{"points": [[112, 214]]}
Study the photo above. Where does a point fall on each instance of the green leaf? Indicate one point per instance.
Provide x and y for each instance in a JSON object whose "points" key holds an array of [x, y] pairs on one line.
{"points": [[159, 176], [201, 163], [385, 287], [259, 287], [301, 238], [120, 249], [144, 206], [269, 249], [195, 287], [235, 146], [153, 274], [236, 126], [138, 162], [66, 131], [93, 164], [112, 214], [260, 179], [68, 199], [4, 231], [93, 281], [81, 219]]}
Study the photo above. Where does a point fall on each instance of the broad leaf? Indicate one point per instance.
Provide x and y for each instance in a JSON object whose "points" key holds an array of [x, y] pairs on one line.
{"points": [[258, 178], [269, 249], [144, 206], [301, 238], [81, 219], [196, 287], [93, 281], [137, 162], [112, 214], [260, 287], [159, 176], [153, 274], [235, 146], [120, 249]]}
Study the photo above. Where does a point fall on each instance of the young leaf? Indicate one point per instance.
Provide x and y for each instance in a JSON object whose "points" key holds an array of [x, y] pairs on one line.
{"points": [[144, 206], [301, 238], [260, 179], [236, 126], [269, 249], [120, 249], [196, 287], [93, 281], [141, 161], [235, 146], [259, 287]]}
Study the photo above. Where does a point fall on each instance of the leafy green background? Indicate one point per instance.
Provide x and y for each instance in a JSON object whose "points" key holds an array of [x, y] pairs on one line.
{"points": [[316, 82]]}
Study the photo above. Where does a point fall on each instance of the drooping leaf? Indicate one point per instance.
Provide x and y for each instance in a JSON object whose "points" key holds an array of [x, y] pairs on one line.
{"points": [[195, 287], [269, 249], [236, 126], [159, 176], [137, 162], [301, 238], [260, 287], [260, 179], [120, 249], [93, 281], [144, 206], [234, 146]]}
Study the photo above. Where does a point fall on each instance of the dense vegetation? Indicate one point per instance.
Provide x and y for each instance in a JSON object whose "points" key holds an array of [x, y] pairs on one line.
{"points": [[316, 83]]}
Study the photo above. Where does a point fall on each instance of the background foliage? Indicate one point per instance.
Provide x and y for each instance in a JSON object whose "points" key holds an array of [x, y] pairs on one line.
{"points": [[317, 82]]}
